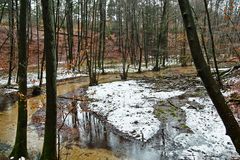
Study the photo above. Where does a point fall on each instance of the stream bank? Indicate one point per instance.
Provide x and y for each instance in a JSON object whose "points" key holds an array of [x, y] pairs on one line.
{"points": [[88, 131]]}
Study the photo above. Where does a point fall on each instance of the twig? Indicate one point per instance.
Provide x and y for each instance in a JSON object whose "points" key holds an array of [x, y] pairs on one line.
{"points": [[172, 104]]}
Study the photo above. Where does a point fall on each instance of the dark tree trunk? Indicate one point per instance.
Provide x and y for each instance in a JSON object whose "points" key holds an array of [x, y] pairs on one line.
{"points": [[92, 61], [232, 127], [20, 146], [69, 19], [163, 38], [102, 8], [2, 12], [38, 44], [41, 69], [212, 43], [49, 145], [11, 39], [57, 28]]}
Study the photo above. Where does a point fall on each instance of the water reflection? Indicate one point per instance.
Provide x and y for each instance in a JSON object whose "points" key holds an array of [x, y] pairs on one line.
{"points": [[88, 131], [6, 102]]}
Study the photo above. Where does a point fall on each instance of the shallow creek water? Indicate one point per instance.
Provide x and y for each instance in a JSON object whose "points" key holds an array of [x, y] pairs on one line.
{"points": [[92, 139], [85, 135]]}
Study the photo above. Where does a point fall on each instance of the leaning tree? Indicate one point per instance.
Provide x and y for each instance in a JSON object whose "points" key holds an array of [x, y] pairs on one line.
{"points": [[232, 127]]}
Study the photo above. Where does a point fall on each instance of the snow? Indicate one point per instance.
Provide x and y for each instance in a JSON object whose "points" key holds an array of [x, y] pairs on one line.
{"points": [[118, 68], [232, 81], [220, 69], [32, 78], [22, 158], [128, 105], [9, 90], [209, 134]]}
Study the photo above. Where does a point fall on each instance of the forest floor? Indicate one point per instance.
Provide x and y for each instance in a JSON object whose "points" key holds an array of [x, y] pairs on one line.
{"points": [[153, 115]]}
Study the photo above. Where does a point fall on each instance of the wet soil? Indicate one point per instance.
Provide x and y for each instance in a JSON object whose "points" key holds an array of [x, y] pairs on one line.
{"points": [[85, 134]]}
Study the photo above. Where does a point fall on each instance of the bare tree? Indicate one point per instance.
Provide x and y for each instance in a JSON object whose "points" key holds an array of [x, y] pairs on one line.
{"points": [[232, 127]]}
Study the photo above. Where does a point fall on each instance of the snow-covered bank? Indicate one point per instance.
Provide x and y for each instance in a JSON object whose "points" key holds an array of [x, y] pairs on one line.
{"points": [[129, 106], [209, 139], [32, 78]]}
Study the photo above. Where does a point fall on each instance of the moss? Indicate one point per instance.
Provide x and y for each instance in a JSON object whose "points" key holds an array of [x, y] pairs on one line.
{"points": [[159, 112], [184, 126], [173, 114]]}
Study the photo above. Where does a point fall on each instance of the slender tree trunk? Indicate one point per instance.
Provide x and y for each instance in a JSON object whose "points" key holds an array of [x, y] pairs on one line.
{"points": [[144, 41], [203, 41], [183, 56], [92, 57], [49, 145], [78, 36], [163, 46], [41, 70], [57, 29], [232, 127], [30, 33], [69, 8], [102, 8], [20, 146], [2, 12], [38, 44], [212, 43], [163, 38], [11, 39]]}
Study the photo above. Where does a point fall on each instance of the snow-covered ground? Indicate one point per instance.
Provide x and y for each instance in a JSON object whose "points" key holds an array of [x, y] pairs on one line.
{"points": [[32, 77], [117, 68], [129, 106], [209, 139]]}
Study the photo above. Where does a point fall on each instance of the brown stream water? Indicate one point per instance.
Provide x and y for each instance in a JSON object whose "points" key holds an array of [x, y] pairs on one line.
{"points": [[91, 139]]}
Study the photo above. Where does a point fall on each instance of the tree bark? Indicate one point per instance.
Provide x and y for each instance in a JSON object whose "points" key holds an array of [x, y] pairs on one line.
{"points": [[20, 146], [212, 43], [11, 39], [232, 127], [49, 145], [69, 12]]}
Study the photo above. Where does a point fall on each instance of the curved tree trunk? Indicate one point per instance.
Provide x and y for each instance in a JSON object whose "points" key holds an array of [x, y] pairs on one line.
{"points": [[232, 127]]}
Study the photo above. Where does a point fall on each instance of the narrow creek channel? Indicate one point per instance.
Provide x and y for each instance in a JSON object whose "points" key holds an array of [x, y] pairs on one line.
{"points": [[92, 139], [83, 134]]}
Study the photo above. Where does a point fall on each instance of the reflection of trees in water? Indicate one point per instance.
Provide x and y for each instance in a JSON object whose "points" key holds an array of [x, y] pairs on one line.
{"points": [[84, 129]]}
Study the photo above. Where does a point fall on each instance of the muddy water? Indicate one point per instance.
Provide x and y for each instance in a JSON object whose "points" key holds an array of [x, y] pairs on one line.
{"points": [[8, 122], [8, 110], [85, 129], [88, 138]]}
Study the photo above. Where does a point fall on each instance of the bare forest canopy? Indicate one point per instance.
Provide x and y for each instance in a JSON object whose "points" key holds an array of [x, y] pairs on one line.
{"points": [[134, 30]]}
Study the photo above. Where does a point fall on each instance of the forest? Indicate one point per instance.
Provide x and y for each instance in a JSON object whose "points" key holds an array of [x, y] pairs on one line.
{"points": [[120, 79]]}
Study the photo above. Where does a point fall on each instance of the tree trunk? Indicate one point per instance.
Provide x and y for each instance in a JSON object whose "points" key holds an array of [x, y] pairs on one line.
{"points": [[102, 8], [38, 43], [212, 43], [69, 8], [20, 146], [232, 127], [49, 145], [11, 39], [163, 38]]}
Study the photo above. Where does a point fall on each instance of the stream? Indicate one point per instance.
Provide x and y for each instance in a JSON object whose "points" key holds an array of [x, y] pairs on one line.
{"points": [[84, 134]]}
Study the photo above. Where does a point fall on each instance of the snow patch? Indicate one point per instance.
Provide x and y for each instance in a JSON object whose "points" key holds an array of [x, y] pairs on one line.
{"points": [[232, 80], [128, 105], [32, 78], [209, 134]]}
